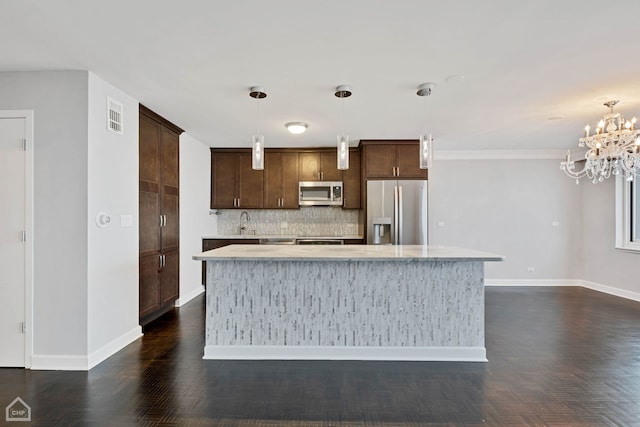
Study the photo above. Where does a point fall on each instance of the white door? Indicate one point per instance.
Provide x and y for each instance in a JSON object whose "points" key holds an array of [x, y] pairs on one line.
{"points": [[12, 246]]}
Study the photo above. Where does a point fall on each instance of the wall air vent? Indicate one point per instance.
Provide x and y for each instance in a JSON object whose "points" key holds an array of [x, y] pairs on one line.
{"points": [[114, 116]]}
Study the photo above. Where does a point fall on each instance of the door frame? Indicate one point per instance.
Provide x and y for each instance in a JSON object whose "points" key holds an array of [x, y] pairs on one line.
{"points": [[27, 115]]}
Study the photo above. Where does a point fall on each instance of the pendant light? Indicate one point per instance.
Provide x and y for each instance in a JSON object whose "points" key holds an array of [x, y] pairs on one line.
{"points": [[257, 145], [426, 141], [343, 92]]}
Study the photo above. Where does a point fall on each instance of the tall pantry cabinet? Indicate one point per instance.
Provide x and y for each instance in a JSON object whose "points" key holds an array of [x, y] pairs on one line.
{"points": [[159, 207]]}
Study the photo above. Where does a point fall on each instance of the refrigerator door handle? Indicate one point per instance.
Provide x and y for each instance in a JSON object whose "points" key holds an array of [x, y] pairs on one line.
{"points": [[396, 227], [400, 215]]}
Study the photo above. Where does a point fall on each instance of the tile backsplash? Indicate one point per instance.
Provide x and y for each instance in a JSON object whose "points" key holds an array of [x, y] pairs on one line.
{"points": [[307, 221]]}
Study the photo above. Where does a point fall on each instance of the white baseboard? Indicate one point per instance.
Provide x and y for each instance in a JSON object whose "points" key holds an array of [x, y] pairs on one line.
{"points": [[623, 293], [114, 346], [531, 282], [285, 352], [67, 362], [188, 297]]}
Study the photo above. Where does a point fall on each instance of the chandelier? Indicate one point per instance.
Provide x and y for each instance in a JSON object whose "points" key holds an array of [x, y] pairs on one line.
{"points": [[613, 148]]}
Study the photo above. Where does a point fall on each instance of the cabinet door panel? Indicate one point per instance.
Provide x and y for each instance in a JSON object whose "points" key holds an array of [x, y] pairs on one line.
{"points": [[149, 150], [379, 161], [351, 182], [250, 184], [149, 222], [281, 180], [149, 286], [329, 166], [408, 161], [290, 180], [170, 158], [170, 230], [223, 180], [169, 278], [272, 180], [309, 167]]}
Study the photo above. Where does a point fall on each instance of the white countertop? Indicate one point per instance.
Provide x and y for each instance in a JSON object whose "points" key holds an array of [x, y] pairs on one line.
{"points": [[280, 236], [344, 253]]}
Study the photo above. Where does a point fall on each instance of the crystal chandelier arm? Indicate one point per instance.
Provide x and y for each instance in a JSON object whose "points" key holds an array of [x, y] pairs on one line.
{"points": [[569, 168]]}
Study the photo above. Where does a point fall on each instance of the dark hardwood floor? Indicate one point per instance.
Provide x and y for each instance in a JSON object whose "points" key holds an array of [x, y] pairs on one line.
{"points": [[557, 357]]}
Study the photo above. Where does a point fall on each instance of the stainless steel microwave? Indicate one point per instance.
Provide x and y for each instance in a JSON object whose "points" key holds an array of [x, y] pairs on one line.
{"points": [[320, 193]]}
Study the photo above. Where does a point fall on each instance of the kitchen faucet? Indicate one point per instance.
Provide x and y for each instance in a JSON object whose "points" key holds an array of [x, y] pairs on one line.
{"points": [[241, 227]]}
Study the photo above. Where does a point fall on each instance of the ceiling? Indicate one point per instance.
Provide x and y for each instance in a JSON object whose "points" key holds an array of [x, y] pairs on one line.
{"points": [[193, 62]]}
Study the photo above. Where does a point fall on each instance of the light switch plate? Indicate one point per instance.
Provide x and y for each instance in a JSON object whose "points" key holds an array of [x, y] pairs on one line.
{"points": [[126, 220]]}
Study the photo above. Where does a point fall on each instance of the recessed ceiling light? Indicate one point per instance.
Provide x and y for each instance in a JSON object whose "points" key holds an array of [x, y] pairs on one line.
{"points": [[455, 78], [556, 118], [296, 127]]}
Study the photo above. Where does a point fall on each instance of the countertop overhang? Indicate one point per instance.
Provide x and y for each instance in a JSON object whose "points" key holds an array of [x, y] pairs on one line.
{"points": [[282, 236], [345, 253]]}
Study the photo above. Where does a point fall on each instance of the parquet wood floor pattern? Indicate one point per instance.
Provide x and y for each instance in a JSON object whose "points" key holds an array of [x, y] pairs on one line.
{"points": [[557, 357]]}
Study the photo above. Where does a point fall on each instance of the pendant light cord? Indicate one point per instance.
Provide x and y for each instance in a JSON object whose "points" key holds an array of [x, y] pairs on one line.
{"points": [[343, 121], [257, 115], [425, 115]]}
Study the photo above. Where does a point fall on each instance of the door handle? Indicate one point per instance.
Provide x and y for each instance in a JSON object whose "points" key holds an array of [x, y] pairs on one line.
{"points": [[400, 203]]}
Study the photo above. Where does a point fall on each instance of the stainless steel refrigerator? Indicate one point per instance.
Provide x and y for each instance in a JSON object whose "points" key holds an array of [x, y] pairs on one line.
{"points": [[397, 212]]}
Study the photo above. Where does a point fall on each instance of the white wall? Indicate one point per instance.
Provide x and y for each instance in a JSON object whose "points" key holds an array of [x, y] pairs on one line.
{"points": [[601, 263], [112, 250], [59, 101], [195, 221], [508, 207], [85, 279]]}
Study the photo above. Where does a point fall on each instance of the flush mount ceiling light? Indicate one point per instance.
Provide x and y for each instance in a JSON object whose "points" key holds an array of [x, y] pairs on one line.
{"points": [[426, 141], [257, 145], [613, 148], [296, 127], [343, 92]]}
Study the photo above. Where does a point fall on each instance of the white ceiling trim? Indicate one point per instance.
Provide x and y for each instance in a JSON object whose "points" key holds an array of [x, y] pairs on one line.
{"points": [[499, 155]]}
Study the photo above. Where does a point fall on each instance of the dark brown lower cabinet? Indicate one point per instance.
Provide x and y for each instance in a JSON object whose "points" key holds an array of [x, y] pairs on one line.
{"points": [[159, 284], [354, 241]]}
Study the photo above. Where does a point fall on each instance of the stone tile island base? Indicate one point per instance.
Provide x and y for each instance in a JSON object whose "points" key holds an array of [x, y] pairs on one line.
{"points": [[418, 309]]}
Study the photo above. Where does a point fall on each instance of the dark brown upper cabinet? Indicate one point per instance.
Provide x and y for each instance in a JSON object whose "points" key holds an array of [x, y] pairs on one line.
{"points": [[280, 179], [234, 185], [351, 179], [392, 159], [319, 165]]}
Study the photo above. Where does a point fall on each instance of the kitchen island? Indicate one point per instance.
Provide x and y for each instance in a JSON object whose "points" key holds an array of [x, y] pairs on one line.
{"points": [[352, 302]]}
